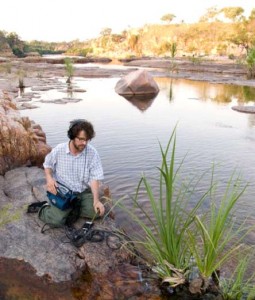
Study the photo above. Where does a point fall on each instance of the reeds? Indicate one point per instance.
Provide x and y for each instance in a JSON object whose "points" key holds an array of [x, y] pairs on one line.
{"points": [[238, 286], [176, 231]]}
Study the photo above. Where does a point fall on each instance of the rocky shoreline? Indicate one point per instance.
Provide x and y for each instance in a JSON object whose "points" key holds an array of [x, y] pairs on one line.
{"points": [[51, 257]]}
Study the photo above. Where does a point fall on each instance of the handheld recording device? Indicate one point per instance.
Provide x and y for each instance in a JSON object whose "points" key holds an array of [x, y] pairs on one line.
{"points": [[87, 226]]}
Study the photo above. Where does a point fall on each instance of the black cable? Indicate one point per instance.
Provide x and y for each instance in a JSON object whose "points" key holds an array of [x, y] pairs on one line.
{"points": [[80, 236]]}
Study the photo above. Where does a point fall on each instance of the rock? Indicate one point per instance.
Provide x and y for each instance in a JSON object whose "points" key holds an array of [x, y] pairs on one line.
{"points": [[26, 106], [138, 82], [244, 109], [49, 253], [195, 286], [22, 141], [62, 100]]}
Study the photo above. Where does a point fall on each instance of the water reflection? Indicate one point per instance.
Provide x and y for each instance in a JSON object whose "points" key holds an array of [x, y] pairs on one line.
{"points": [[225, 94], [69, 90], [219, 93], [171, 94], [142, 102]]}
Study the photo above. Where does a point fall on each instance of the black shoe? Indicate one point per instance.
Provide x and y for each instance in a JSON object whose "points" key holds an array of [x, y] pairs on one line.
{"points": [[35, 206]]}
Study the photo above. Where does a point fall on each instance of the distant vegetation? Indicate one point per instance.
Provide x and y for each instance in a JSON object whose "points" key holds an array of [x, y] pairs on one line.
{"points": [[224, 32]]}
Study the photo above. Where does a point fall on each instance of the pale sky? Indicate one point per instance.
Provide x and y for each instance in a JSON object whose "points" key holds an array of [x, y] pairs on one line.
{"points": [[62, 20]]}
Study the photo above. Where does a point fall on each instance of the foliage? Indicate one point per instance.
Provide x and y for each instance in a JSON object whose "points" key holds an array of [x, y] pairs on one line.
{"points": [[106, 32], [252, 15], [238, 287], [15, 44], [233, 13], [16, 51], [250, 61], [6, 215], [178, 233], [216, 230], [45, 47], [21, 74], [165, 233], [173, 49], [168, 18], [133, 41], [210, 36], [210, 14], [69, 69], [79, 51]]}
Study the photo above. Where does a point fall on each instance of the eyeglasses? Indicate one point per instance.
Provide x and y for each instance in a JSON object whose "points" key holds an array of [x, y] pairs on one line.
{"points": [[81, 139]]}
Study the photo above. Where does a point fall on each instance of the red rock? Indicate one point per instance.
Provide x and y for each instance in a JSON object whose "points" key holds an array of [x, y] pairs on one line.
{"points": [[138, 82], [22, 142]]}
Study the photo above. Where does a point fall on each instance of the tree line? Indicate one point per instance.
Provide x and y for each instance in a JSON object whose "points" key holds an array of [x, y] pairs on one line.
{"points": [[223, 31]]}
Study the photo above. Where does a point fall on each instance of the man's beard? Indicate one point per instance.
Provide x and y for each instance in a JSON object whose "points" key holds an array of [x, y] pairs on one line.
{"points": [[79, 148]]}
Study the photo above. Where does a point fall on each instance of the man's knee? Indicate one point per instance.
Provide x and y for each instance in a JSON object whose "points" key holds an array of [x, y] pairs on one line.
{"points": [[87, 207], [52, 215]]}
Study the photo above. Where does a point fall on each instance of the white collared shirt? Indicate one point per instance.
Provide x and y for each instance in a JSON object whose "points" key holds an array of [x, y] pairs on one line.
{"points": [[74, 171]]}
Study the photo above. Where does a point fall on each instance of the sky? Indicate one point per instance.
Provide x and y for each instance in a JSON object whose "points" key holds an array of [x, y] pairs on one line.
{"points": [[62, 20]]}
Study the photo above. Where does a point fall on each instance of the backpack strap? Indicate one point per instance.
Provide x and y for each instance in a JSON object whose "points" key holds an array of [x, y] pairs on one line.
{"points": [[35, 207]]}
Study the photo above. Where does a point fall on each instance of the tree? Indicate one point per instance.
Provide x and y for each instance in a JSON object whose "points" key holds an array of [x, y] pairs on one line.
{"points": [[244, 32], [16, 44], [235, 14], [168, 18], [106, 31], [250, 60], [133, 41], [13, 39], [252, 15], [210, 14]]}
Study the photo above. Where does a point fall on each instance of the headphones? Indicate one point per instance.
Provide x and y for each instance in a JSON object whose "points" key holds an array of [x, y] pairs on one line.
{"points": [[72, 125]]}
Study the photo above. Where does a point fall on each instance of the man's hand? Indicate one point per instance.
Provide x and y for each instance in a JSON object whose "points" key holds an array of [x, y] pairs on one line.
{"points": [[51, 183], [99, 208], [51, 186]]}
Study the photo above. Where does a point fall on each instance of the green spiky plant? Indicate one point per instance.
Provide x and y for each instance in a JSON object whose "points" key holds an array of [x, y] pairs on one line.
{"points": [[173, 51], [69, 69], [218, 236], [176, 231], [21, 75], [165, 233], [250, 61], [237, 287]]}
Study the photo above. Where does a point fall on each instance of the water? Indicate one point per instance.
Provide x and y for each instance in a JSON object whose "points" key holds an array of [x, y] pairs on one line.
{"points": [[128, 133]]}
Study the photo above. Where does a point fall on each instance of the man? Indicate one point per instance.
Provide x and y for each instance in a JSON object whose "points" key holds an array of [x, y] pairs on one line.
{"points": [[77, 165]]}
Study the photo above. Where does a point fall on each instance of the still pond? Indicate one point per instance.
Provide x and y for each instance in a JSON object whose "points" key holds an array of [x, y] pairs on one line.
{"points": [[128, 132]]}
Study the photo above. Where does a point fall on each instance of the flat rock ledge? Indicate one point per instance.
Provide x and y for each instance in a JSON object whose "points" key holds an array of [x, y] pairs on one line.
{"points": [[244, 109], [49, 253]]}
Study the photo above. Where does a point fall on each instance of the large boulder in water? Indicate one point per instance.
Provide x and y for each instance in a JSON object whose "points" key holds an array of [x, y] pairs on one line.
{"points": [[22, 142], [138, 82]]}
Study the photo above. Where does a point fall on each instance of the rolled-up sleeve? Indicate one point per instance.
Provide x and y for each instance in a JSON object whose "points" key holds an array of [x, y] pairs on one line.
{"points": [[50, 160], [96, 169]]}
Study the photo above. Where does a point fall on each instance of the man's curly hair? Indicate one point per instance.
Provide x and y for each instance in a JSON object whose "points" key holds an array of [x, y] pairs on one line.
{"points": [[78, 125]]}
